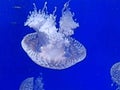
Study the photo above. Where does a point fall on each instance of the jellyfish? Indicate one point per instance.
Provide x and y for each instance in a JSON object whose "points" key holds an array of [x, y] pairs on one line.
{"points": [[115, 74], [50, 46], [32, 83]]}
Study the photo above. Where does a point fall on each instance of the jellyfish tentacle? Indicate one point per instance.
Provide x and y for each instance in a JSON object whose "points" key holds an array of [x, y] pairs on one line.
{"points": [[44, 10]]}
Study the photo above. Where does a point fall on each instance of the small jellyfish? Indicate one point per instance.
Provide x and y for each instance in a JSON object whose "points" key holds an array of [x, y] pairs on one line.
{"points": [[32, 83], [49, 46], [27, 84], [115, 74]]}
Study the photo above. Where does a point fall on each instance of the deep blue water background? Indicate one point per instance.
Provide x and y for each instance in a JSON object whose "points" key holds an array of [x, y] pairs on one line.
{"points": [[99, 31]]}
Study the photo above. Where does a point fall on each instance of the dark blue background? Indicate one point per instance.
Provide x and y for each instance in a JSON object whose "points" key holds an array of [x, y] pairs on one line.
{"points": [[99, 31]]}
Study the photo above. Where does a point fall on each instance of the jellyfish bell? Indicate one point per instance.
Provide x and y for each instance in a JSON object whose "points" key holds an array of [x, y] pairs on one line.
{"points": [[32, 83], [49, 46], [115, 73], [27, 84]]}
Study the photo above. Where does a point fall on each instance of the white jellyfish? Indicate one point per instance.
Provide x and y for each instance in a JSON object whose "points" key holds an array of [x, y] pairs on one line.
{"points": [[115, 74], [32, 83], [49, 46]]}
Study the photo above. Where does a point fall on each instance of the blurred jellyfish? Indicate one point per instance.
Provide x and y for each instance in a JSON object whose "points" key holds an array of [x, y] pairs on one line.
{"points": [[115, 74], [49, 46], [32, 83]]}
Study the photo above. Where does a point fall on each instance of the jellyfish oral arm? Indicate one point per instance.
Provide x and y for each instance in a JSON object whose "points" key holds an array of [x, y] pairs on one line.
{"points": [[67, 24]]}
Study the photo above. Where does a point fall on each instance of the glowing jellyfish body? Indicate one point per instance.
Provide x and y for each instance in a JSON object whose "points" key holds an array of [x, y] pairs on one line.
{"points": [[115, 74], [32, 83], [49, 46]]}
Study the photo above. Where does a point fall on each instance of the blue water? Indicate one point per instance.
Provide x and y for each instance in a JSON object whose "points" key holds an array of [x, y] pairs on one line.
{"points": [[99, 32]]}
